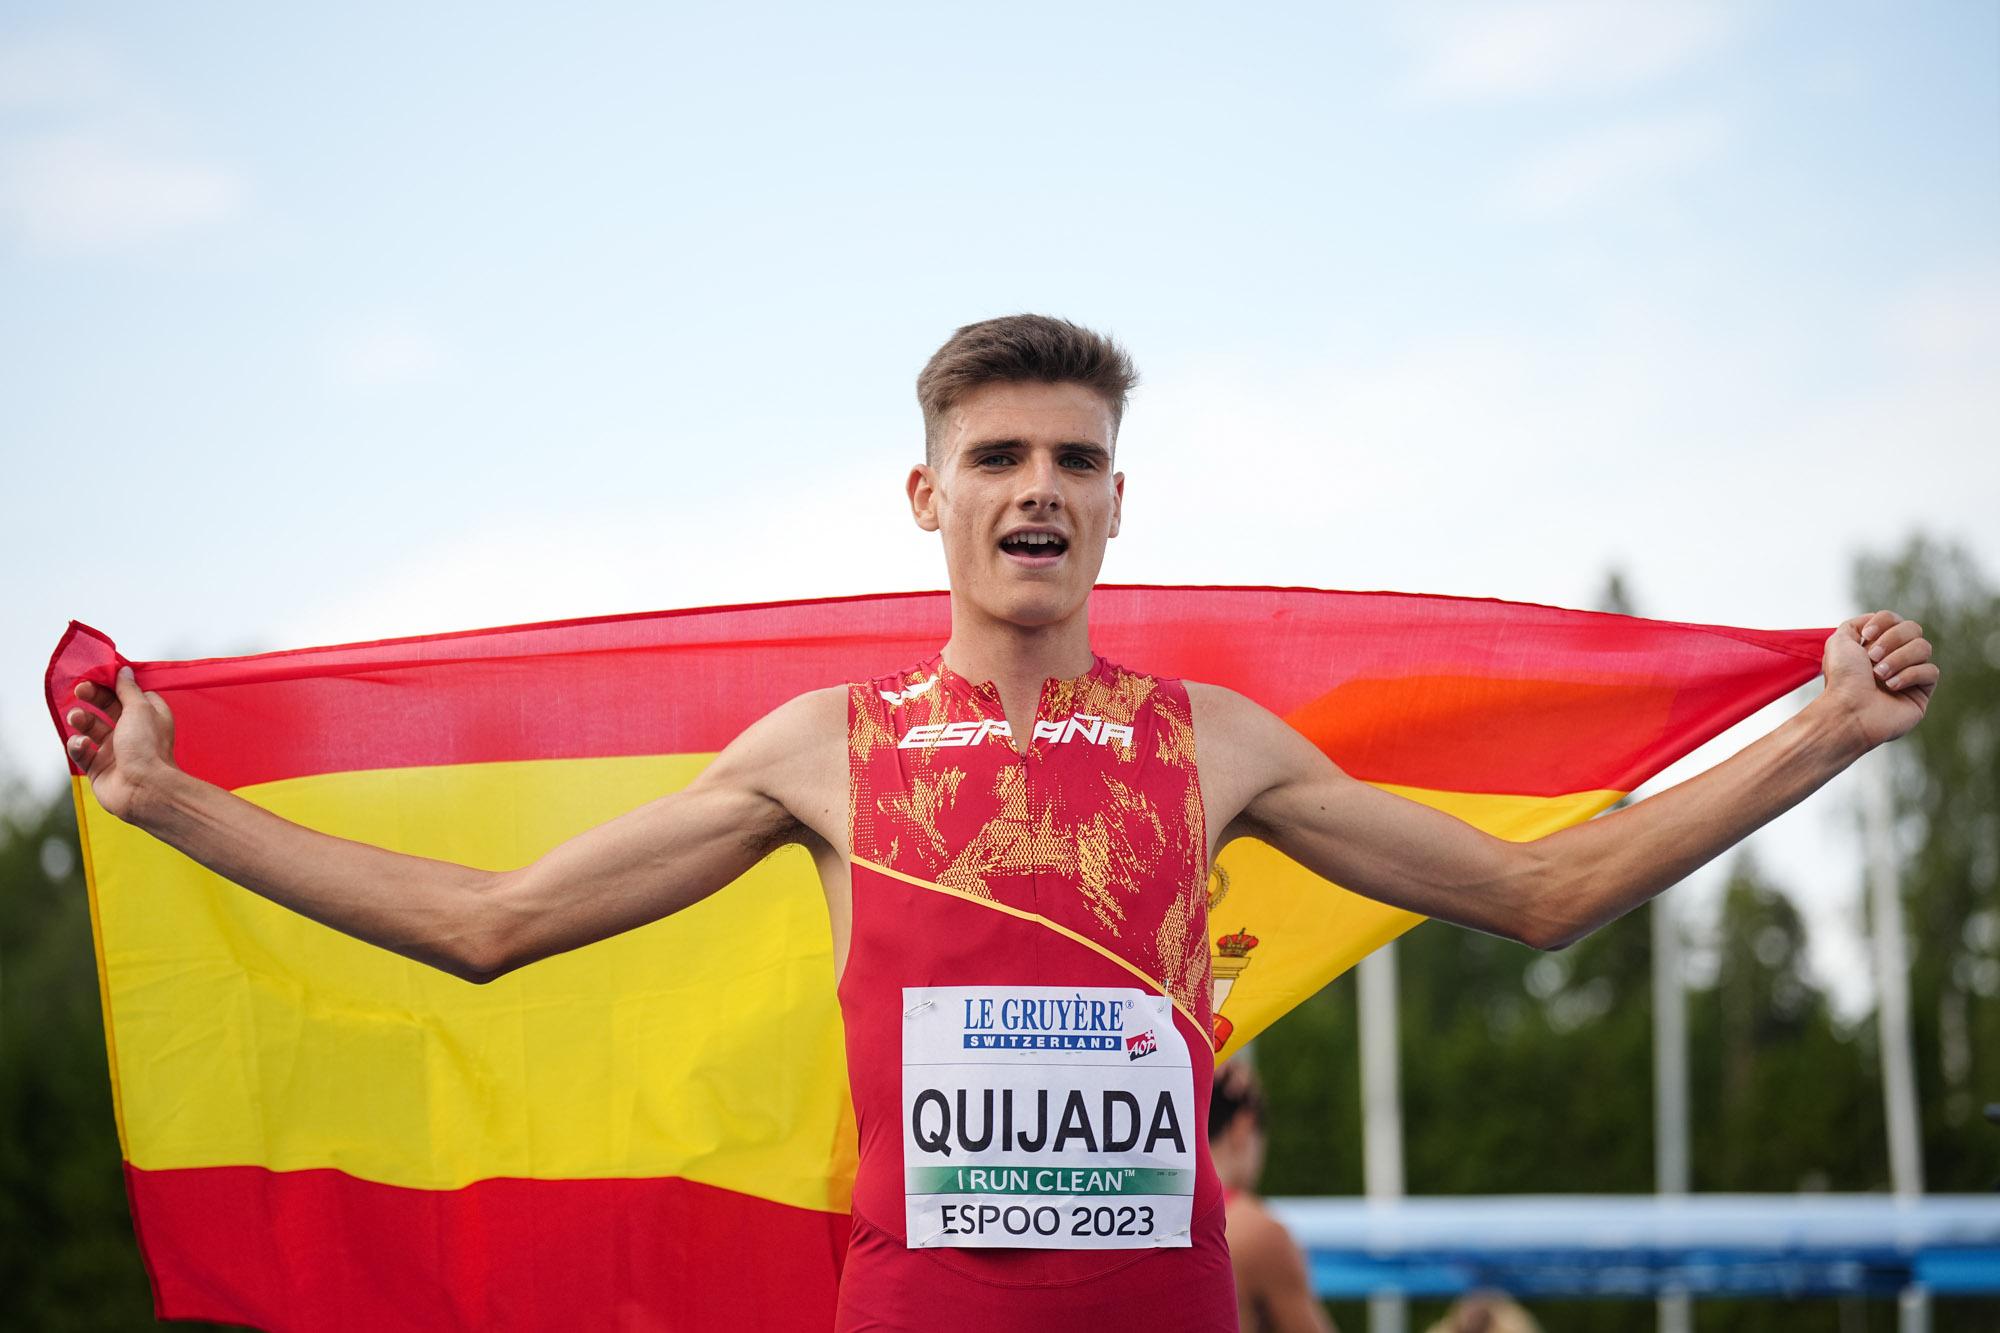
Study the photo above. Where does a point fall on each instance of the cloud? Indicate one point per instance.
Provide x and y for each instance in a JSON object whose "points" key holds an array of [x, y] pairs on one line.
{"points": [[1488, 52], [1445, 464], [84, 160], [1912, 446], [787, 541], [88, 192], [1948, 322], [1523, 462], [1610, 163], [398, 353], [53, 71]]}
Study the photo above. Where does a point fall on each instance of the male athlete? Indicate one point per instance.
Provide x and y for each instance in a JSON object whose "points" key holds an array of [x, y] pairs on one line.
{"points": [[1014, 838]]}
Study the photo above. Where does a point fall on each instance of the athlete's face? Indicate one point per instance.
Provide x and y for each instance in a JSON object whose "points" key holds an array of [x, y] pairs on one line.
{"points": [[1024, 497]]}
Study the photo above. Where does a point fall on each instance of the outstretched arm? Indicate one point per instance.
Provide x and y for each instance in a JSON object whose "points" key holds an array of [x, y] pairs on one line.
{"points": [[761, 792], [1554, 890]]}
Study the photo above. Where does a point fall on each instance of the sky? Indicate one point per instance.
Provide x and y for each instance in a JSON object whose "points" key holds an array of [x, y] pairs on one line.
{"points": [[324, 324]]}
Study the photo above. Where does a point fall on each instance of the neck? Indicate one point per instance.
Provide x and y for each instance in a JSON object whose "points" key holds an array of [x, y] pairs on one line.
{"points": [[1234, 1167], [1238, 1154], [1017, 658]]}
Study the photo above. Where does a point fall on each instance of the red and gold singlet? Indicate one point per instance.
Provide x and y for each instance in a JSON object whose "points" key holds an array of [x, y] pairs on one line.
{"points": [[1026, 1002]]}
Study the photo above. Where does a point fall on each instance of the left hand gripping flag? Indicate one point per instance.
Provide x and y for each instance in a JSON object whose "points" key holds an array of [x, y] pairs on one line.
{"points": [[654, 1131]]}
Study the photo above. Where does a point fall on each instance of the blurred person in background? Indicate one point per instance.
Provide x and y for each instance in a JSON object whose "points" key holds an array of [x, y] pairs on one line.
{"points": [[1486, 1312], [1272, 1290]]}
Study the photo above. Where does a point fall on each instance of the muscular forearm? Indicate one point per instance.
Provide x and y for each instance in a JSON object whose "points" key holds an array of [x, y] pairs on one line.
{"points": [[1549, 892], [1598, 871], [431, 911], [647, 863]]}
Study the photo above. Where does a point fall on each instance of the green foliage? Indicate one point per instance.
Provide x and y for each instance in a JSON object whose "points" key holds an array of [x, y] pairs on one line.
{"points": [[1784, 1097], [1947, 797], [67, 1257], [1494, 1031], [1307, 1064]]}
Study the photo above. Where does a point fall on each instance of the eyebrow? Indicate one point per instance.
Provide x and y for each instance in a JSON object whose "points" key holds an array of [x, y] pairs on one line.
{"points": [[1090, 447]]}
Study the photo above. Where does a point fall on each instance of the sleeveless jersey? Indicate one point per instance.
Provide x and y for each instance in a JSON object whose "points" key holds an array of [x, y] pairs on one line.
{"points": [[1051, 896]]}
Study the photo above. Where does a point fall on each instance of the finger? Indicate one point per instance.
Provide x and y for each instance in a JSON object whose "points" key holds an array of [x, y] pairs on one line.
{"points": [[129, 692], [1892, 638], [101, 697], [1909, 655], [89, 724], [1872, 625], [1921, 676], [82, 752]]}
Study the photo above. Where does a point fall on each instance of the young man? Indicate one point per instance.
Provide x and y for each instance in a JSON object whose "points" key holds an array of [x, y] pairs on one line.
{"points": [[1273, 1290], [1014, 839]]}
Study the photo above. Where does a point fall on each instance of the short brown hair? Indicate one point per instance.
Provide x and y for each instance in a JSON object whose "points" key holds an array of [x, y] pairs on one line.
{"points": [[1016, 348]]}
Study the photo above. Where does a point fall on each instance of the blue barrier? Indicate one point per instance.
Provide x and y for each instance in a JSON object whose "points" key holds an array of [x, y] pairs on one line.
{"points": [[1640, 1246]]}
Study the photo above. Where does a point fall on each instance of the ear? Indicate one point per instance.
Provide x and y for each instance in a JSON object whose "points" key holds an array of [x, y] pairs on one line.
{"points": [[923, 492], [1117, 500]]}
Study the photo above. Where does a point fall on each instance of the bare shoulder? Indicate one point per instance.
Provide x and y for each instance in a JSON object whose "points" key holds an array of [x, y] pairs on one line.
{"points": [[815, 719], [1231, 718], [817, 714], [1259, 1241], [796, 755], [1216, 701], [1242, 748], [1253, 1230]]}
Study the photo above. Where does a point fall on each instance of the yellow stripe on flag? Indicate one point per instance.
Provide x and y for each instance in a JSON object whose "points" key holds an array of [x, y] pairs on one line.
{"points": [[1307, 931], [706, 1046]]}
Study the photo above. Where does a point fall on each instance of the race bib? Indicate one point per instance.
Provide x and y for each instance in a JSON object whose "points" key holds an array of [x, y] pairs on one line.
{"points": [[1046, 1117]]}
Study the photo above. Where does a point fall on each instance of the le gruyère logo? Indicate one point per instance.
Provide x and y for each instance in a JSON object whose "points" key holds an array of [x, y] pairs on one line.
{"points": [[1024, 1023]]}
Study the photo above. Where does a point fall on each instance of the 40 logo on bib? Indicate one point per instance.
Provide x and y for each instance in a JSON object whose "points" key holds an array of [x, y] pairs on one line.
{"points": [[1046, 1118]]}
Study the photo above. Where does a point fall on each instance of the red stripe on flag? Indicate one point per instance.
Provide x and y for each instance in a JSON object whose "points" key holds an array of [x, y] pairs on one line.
{"points": [[1518, 737], [689, 681], [304, 1251]]}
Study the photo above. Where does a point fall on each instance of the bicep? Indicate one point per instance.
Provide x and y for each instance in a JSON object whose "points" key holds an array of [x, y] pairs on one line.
{"points": [[671, 852], [1380, 844]]}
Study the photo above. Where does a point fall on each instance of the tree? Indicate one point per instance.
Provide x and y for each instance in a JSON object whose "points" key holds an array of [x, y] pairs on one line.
{"points": [[67, 1260], [1784, 1096], [1946, 783]]}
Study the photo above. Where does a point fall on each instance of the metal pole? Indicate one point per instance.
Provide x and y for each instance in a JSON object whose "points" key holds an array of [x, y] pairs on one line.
{"points": [[1670, 1087], [1892, 1011], [1381, 1111]]}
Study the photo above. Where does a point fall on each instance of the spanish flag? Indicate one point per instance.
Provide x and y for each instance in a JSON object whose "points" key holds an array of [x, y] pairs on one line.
{"points": [[654, 1132]]}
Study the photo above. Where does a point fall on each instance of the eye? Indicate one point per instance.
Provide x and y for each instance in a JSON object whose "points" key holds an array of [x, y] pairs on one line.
{"points": [[1080, 462], [994, 459]]}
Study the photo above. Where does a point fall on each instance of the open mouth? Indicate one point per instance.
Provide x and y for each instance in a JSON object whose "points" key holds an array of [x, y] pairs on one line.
{"points": [[1034, 546]]}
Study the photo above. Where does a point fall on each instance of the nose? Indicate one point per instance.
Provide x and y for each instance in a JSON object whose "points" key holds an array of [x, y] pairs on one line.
{"points": [[1039, 488]]}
